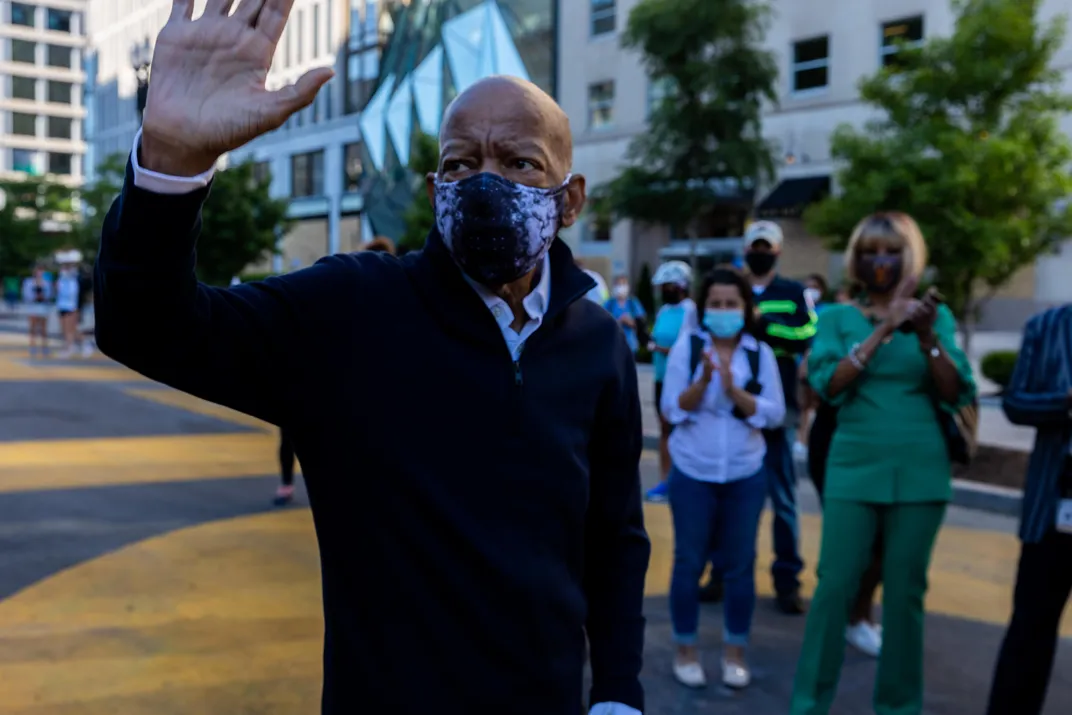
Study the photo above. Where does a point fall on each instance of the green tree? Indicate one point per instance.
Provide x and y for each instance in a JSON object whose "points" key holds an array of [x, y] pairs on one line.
{"points": [[97, 198], [703, 139], [37, 218], [968, 143], [240, 222], [420, 216]]}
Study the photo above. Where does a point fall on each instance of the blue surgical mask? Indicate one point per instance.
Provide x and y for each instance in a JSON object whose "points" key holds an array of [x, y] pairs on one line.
{"points": [[723, 323]]}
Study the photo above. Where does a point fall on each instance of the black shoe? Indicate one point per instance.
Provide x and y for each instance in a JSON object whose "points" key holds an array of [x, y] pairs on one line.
{"points": [[791, 604], [711, 592]]}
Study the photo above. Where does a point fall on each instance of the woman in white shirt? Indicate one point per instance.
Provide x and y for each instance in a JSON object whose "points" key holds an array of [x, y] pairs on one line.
{"points": [[721, 388]]}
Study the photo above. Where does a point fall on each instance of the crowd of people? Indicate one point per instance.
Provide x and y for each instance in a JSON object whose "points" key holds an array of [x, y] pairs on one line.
{"points": [[500, 437], [64, 296]]}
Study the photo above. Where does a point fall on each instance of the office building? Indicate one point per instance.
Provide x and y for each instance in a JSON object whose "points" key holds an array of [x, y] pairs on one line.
{"points": [[823, 48], [41, 83]]}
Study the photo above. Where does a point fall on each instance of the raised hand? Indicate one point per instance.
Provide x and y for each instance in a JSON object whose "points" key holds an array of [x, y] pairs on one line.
{"points": [[207, 94], [903, 305]]}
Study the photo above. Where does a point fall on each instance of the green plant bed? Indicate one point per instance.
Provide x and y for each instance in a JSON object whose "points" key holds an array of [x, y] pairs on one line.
{"points": [[998, 367]]}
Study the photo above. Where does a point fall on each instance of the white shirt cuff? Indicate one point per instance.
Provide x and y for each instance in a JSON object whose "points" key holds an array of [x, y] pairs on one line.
{"points": [[613, 709], [158, 183]]}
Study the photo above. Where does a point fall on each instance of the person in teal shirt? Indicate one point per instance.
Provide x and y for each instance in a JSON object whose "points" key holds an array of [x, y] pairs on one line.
{"points": [[677, 315], [889, 363]]}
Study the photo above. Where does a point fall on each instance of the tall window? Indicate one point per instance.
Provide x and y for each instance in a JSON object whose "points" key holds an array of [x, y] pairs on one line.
{"points": [[907, 30], [811, 63], [59, 164], [23, 88], [59, 56], [22, 14], [24, 125], [59, 92], [60, 128], [23, 160], [23, 51], [353, 168], [307, 174], [604, 16], [59, 20], [600, 105], [301, 36]]}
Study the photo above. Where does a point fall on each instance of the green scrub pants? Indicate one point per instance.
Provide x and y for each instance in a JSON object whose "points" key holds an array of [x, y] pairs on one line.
{"points": [[849, 529]]}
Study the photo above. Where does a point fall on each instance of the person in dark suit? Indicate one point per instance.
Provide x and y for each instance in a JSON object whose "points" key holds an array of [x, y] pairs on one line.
{"points": [[486, 412], [1039, 395]]}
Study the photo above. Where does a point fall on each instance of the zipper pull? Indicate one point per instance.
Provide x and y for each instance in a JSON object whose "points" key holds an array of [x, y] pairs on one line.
{"points": [[517, 373]]}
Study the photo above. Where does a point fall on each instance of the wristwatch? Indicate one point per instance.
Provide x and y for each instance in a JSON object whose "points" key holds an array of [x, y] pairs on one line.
{"points": [[935, 351]]}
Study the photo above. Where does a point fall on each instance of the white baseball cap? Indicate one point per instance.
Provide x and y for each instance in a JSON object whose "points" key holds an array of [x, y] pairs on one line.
{"points": [[763, 231]]}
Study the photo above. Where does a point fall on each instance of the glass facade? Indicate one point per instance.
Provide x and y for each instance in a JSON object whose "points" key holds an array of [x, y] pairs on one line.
{"points": [[437, 49]]}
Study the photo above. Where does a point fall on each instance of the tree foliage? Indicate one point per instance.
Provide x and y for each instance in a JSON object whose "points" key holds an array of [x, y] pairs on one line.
{"points": [[420, 216], [968, 143], [97, 198], [240, 224], [37, 218], [703, 142]]}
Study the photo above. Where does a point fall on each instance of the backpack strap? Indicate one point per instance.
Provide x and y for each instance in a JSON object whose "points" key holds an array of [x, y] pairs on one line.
{"points": [[753, 364], [753, 386]]}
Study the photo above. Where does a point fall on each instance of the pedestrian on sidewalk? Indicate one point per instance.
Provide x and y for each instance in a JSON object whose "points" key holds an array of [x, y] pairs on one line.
{"points": [[37, 298], [68, 296], [627, 310], [722, 389], [285, 493], [786, 322], [889, 363], [676, 317], [1039, 395], [466, 394]]}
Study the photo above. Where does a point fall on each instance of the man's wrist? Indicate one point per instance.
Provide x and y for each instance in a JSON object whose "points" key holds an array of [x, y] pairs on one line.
{"points": [[162, 157]]}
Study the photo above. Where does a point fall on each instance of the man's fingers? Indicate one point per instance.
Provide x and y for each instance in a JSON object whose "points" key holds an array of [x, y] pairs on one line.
{"points": [[273, 18], [181, 10], [217, 7], [249, 11], [300, 94]]}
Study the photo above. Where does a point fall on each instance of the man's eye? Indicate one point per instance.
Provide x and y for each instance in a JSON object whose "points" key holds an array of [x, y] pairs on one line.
{"points": [[451, 165], [524, 164]]}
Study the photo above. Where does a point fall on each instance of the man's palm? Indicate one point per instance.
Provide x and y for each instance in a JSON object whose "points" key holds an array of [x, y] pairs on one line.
{"points": [[207, 94]]}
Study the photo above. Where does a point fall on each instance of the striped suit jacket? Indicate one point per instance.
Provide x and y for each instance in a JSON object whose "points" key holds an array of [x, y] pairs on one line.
{"points": [[1038, 396]]}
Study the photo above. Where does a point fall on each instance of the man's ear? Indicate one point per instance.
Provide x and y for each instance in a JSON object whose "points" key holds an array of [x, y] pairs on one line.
{"points": [[429, 187], [576, 194]]}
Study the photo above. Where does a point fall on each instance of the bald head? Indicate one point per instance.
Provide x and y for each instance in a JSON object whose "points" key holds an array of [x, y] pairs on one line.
{"points": [[510, 127]]}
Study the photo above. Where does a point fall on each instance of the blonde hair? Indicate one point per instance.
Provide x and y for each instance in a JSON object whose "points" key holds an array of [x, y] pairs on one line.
{"points": [[891, 228]]}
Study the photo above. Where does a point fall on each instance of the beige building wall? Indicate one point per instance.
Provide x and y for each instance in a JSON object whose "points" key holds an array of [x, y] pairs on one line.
{"points": [[799, 125]]}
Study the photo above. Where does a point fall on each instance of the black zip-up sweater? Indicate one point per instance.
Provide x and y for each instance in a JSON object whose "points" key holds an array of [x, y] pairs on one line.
{"points": [[475, 516]]}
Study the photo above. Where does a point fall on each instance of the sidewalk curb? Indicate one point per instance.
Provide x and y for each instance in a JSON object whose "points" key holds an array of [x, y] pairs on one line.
{"points": [[970, 495]]}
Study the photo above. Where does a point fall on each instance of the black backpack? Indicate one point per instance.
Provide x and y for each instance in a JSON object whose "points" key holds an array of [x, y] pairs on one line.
{"points": [[753, 387]]}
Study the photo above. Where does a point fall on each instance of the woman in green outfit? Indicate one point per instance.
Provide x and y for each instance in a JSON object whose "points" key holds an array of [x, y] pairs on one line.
{"points": [[886, 361]]}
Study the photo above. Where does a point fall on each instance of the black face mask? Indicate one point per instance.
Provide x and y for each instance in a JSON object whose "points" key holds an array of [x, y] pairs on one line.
{"points": [[879, 274], [671, 296], [760, 264]]}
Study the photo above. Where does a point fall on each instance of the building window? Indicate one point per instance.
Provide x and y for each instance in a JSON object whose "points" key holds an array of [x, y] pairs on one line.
{"points": [[289, 58], [60, 128], [316, 31], [600, 105], [908, 30], [811, 64], [353, 167], [25, 125], [262, 172], [59, 20], [301, 36], [23, 51], [59, 92], [23, 88], [23, 160], [58, 56], [307, 174], [604, 16], [22, 14], [59, 164]]}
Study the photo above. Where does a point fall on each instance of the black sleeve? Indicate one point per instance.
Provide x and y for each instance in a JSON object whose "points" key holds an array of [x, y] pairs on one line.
{"points": [[616, 545], [234, 346]]}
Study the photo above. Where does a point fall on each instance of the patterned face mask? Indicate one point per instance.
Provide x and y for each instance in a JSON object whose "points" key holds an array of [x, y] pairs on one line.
{"points": [[496, 229]]}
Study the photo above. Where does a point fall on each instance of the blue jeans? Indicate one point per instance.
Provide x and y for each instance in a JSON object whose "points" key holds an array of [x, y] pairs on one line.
{"points": [[704, 512], [782, 489]]}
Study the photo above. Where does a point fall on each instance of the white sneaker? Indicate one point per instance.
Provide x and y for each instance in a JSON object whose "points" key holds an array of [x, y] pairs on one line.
{"points": [[735, 675], [690, 674], [865, 637], [87, 350]]}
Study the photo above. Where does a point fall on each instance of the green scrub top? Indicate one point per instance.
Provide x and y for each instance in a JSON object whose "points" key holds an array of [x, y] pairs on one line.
{"points": [[888, 447]]}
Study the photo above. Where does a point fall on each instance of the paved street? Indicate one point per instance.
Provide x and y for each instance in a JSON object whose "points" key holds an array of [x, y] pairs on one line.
{"points": [[143, 570]]}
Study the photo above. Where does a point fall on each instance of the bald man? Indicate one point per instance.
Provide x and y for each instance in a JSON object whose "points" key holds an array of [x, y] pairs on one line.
{"points": [[477, 501]]}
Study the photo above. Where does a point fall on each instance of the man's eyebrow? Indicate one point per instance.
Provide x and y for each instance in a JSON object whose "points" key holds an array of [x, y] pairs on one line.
{"points": [[526, 146]]}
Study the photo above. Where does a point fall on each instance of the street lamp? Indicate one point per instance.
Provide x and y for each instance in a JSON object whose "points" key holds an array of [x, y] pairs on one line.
{"points": [[141, 57]]}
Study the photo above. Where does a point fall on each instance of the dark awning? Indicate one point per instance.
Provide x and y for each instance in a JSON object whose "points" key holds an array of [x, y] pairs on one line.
{"points": [[792, 196]]}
